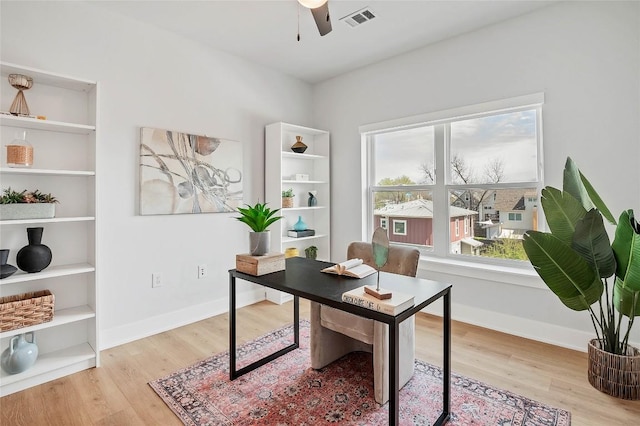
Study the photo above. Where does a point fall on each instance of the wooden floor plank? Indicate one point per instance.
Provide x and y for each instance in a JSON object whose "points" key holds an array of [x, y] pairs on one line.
{"points": [[117, 393]]}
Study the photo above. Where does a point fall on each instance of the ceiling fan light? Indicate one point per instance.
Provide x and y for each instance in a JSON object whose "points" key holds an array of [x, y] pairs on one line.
{"points": [[312, 4]]}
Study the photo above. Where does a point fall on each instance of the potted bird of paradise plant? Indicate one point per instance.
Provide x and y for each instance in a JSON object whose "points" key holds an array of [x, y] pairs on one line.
{"points": [[578, 263]]}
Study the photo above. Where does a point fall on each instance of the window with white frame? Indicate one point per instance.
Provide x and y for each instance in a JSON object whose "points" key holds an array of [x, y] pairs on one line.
{"points": [[384, 224], [469, 164], [399, 227]]}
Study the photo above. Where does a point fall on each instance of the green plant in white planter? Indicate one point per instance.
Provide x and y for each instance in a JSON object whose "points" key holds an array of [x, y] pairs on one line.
{"points": [[586, 272], [26, 205], [258, 218]]}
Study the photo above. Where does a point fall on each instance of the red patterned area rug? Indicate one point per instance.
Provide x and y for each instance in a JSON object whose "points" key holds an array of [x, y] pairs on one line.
{"points": [[288, 391]]}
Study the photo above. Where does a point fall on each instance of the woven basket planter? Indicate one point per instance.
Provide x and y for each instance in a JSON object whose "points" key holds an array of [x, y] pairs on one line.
{"points": [[27, 309], [287, 202], [615, 375]]}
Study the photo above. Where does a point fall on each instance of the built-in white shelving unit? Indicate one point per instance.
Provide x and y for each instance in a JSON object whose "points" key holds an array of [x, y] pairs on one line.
{"points": [[282, 166], [64, 165]]}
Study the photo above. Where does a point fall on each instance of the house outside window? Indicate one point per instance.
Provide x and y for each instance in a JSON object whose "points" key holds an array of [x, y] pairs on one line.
{"points": [[384, 223], [477, 164]]}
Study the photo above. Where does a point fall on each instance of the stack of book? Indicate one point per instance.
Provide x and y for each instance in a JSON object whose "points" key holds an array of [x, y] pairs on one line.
{"points": [[299, 234], [396, 304]]}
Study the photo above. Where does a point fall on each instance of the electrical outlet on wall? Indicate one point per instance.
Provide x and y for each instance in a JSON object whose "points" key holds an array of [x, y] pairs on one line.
{"points": [[202, 271], [156, 280]]}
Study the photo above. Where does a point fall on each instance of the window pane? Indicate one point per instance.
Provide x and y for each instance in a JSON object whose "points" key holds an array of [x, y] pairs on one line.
{"points": [[407, 217], [494, 149], [498, 218], [404, 157]]}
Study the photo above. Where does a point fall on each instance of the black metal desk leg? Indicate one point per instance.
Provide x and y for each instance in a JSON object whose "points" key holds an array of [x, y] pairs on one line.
{"points": [[232, 327], [296, 321], [394, 373], [446, 380]]}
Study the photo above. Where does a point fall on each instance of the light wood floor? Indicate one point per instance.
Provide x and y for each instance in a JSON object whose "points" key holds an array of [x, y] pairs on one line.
{"points": [[117, 393]]}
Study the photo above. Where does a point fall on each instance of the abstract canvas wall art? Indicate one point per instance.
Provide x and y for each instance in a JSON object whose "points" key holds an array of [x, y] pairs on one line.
{"points": [[185, 173]]}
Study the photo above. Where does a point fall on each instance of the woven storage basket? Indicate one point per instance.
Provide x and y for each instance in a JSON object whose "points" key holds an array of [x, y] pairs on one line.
{"points": [[615, 375], [24, 310]]}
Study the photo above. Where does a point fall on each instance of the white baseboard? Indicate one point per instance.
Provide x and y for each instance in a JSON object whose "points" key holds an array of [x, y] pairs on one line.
{"points": [[522, 327], [128, 333]]}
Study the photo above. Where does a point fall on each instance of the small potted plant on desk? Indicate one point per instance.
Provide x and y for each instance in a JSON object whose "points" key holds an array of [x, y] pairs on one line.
{"points": [[287, 198], [26, 205], [258, 218]]}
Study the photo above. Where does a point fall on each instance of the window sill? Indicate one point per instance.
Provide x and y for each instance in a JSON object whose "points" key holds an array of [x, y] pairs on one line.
{"points": [[523, 276]]}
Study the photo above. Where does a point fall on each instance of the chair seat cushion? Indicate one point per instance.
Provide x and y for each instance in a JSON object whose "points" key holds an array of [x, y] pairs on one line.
{"points": [[351, 325]]}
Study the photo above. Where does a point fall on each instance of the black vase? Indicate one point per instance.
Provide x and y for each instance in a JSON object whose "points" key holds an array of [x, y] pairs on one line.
{"points": [[35, 256], [6, 270]]}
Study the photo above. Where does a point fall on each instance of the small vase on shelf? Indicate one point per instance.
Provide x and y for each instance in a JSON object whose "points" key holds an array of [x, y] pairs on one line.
{"points": [[298, 147], [313, 201], [35, 256], [20, 355], [20, 151], [6, 270], [300, 225]]}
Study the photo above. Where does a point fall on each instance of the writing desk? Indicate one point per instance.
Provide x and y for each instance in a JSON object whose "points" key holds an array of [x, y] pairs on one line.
{"points": [[302, 278]]}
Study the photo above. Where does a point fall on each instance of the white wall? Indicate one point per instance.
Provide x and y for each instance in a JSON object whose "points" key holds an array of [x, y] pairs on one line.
{"points": [[152, 78], [583, 55]]}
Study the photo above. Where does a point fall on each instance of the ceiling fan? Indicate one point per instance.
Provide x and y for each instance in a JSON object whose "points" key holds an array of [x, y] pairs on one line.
{"points": [[320, 11]]}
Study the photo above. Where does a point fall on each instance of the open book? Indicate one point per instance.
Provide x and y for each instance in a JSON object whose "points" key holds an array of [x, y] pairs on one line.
{"points": [[351, 268]]}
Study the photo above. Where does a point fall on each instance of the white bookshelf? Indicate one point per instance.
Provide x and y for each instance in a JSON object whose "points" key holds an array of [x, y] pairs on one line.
{"points": [[281, 167], [64, 165]]}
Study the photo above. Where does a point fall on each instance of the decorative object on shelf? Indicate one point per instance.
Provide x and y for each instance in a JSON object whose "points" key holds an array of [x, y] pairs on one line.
{"points": [[26, 205], [20, 151], [311, 252], [300, 234], [576, 261], [21, 353], [299, 147], [258, 218], [21, 82], [291, 252], [380, 248], [302, 177], [35, 256], [25, 310], [287, 198], [186, 173], [312, 201], [6, 270], [300, 225]]}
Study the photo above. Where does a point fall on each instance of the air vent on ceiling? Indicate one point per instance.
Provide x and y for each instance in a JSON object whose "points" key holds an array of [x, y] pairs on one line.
{"points": [[359, 17]]}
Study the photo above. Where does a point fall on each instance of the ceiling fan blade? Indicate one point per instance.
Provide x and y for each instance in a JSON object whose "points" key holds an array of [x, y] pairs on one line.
{"points": [[321, 16]]}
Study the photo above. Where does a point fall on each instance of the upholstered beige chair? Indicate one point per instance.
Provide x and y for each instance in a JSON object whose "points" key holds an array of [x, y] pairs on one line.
{"points": [[335, 333]]}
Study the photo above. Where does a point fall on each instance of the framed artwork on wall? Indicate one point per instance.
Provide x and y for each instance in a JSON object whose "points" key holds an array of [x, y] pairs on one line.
{"points": [[185, 173]]}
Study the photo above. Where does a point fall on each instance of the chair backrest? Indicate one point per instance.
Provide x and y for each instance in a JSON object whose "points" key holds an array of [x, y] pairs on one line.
{"points": [[402, 260]]}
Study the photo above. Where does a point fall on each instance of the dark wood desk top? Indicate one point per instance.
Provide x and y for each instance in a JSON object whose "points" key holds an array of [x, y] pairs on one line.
{"points": [[302, 277]]}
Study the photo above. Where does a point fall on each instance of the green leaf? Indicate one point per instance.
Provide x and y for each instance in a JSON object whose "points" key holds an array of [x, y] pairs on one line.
{"points": [[564, 271], [591, 241], [623, 299], [258, 217], [576, 184], [572, 183], [626, 248], [562, 212], [597, 201]]}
